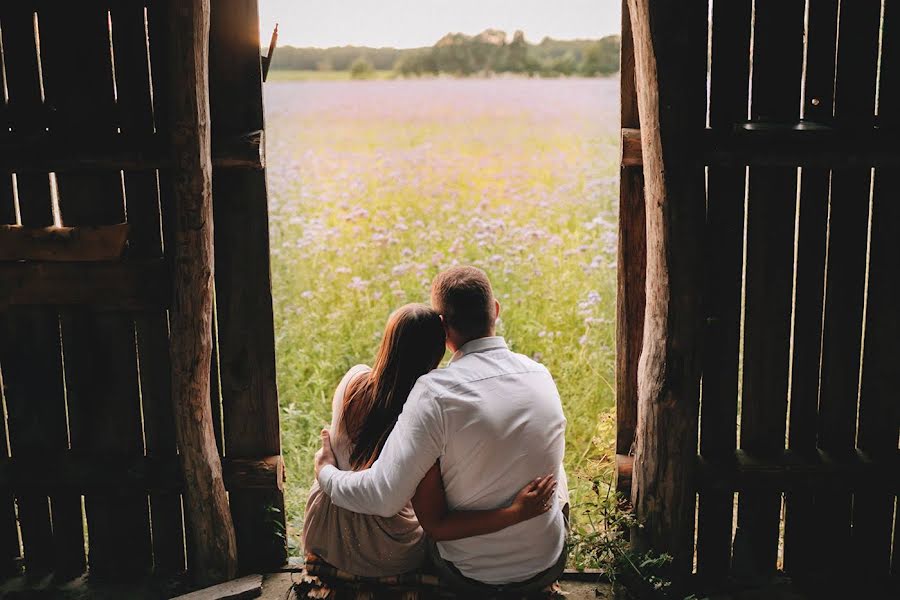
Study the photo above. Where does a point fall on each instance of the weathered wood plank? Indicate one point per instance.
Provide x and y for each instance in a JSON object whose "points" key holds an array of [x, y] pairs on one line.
{"points": [[78, 472], [800, 527], [772, 192], [143, 151], [33, 370], [243, 286], [794, 471], [237, 589], [724, 236], [879, 416], [213, 545], [670, 64], [130, 285], [787, 143], [855, 88], [631, 260], [100, 355], [65, 244], [152, 330]]}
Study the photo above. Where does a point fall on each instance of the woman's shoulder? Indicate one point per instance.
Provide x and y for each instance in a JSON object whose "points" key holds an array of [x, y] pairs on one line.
{"points": [[355, 371]]}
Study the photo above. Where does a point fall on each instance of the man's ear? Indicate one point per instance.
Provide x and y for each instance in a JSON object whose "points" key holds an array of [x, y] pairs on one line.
{"points": [[496, 309]]}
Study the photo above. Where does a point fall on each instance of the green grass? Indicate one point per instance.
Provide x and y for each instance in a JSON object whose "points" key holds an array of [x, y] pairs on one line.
{"points": [[367, 206], [301, 75]]}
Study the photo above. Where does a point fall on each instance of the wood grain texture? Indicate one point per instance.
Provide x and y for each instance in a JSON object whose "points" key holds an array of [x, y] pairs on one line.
{"points": [[670, 58], [724, 234], [212, 535], [64, 244], [243, 285], [632, 259]]}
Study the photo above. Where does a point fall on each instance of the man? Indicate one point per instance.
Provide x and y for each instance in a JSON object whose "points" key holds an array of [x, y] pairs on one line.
{"points": [[495, 421]]}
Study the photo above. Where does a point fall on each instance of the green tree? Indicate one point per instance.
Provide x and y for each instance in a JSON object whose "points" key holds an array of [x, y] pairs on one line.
{"points": [[361, 69]]}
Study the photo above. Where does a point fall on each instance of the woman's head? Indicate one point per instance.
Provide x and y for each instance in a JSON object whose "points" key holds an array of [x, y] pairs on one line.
{"points": [[412, 345]]}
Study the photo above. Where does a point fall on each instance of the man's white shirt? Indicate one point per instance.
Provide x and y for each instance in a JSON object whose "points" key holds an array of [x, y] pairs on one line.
{"points": [[495, 421]]}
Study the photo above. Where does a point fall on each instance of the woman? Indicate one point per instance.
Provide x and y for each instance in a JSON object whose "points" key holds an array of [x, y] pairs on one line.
{"points": [[365, 408]]}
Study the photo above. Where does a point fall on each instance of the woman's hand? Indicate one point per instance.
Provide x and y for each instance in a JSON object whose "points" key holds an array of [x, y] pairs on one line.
{"points": [[534, 499]]}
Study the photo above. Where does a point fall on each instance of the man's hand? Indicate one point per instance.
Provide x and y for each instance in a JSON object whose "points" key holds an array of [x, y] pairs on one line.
{"points": [[325, 455]]}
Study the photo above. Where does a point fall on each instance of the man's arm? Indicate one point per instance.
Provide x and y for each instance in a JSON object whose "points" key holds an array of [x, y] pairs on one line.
{"points": [[415, 443]]}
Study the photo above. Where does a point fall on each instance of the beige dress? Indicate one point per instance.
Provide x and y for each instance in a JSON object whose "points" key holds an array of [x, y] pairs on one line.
{"points": [[366, 545]]}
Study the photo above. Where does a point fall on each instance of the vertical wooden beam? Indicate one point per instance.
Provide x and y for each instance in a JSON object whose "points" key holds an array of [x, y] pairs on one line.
{"points": [[246, 337], [800, 527], [632, 259], [214, 551], [848, 220], [879, 409], [771, 214], [129, 38], [670, 49], [726, 187]]}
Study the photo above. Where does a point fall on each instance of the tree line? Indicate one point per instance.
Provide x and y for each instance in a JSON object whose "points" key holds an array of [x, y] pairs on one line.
{"points": [[462, 55]]}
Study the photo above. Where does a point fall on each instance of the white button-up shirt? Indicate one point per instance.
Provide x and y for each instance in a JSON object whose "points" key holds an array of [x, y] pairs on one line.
{"points": [[495, 421]]}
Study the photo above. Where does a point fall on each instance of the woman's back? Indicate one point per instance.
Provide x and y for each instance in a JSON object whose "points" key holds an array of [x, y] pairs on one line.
{"points": [[361, 544]]}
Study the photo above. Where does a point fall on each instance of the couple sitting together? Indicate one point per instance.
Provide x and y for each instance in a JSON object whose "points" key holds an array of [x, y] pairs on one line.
{"points": [[458, 468]]}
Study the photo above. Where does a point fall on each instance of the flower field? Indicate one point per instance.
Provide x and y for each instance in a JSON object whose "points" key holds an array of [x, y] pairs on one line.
{"points": [[375, 186]]}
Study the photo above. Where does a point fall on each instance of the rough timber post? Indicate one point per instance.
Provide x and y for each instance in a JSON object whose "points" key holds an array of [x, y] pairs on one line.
{"points": [[213, 547], [670, 39]]}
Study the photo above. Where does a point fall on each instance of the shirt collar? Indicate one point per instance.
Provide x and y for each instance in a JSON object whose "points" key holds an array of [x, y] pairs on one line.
{"points": [[479, 345]]}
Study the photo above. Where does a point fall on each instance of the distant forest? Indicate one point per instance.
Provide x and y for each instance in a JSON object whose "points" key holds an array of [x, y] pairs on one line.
{"points": [[462, 55]]}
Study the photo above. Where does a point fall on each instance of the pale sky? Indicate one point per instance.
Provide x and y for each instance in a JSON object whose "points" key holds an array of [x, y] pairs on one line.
{"points": [[416, 23]]}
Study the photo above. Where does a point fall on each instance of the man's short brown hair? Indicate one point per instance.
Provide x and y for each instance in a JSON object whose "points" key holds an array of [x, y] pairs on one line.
{"points": [[463, 296]]}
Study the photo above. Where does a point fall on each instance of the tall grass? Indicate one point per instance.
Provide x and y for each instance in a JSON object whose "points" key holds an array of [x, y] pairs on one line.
{"points": [[377, 186]]}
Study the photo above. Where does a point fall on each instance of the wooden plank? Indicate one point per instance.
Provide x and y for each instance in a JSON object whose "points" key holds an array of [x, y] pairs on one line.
{"points": [[800, 528], [794, 471], [103, 151], [786, 144], [134, 100], [133, 285], [771, 210], [237, 589], [671, 83], [213, 545], [78, 472], [243, 286], [62, 243], [855, 86], [879, 417], [33, 370], [631, 270], [100, 357], [729, 88]]}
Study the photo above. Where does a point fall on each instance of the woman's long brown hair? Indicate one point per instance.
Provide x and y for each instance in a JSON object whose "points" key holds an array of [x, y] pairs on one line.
{"points": [[413, 344]]}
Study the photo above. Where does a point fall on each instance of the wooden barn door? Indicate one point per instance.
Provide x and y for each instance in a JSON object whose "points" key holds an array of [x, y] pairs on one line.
{"points": [[89, 470]]}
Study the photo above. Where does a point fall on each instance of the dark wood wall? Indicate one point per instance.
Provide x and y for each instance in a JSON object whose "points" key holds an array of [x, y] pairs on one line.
{"points": [[797, 453], [88, 450]]}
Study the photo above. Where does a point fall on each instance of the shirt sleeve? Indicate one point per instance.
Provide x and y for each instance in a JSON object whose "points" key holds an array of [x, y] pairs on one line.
{"points": [[414, 445]]}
